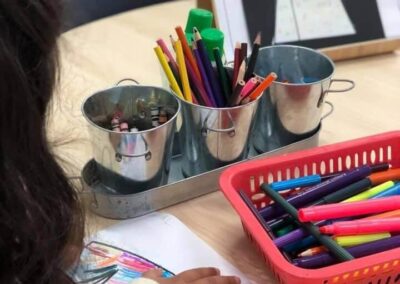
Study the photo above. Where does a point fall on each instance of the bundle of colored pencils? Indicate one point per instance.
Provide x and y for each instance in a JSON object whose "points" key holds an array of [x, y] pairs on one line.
{"points": [[193, 77]]}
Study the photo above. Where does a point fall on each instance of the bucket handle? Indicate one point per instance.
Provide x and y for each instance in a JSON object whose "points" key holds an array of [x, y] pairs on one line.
{"points": [[330, 111], [127, 79], [323, 94], [146, 153], [351, 82], [230, 130]]}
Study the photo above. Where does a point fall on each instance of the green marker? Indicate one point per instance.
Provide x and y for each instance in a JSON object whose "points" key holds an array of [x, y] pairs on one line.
{"points": [[200, 19], [213, 38], [370, 192]]}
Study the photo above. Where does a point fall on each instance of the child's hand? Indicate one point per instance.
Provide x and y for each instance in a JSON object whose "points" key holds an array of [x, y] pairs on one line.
{"points": [[194, 276]]}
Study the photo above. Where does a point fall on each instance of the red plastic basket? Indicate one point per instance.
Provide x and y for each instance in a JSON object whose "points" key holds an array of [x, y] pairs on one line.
{"points": [[380, 268]]}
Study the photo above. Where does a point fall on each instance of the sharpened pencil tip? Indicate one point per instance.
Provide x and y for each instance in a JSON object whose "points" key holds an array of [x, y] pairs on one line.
{"points": [[258, 38]]}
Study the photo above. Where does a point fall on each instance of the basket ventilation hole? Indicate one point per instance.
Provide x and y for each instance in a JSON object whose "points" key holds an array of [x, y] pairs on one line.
{"points": [[389, 153], [388, 280], [296, 173], [331, 166], [381, 155], [322, 168], [279, 176], [356, 164], [372, 157], [305, 170], [314, 168], [252, 185], [365, 161], [397, 279], [260, 180], [270, 178], [339, 164], [288, 174], [257, 196], [348, 162]]}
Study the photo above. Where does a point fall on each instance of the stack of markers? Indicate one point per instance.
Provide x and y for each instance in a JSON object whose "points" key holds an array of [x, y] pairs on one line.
{"points": [[158, 117], [196, 78], [320, 220]]}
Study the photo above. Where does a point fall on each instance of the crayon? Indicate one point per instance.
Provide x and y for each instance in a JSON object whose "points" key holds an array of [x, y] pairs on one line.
{"points": [[324, 259], [316, 192], [334, 211], [337, 251], [358, 227]]}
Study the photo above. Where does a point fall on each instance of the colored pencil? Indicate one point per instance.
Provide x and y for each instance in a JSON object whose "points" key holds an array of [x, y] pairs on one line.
{"points": [[187, 51], [166, 51], [183, 71], [168, 72], [236, 64], [216, 89], [253, 57], [205, 80], [242, 70], [324, 259], [236, 93], [226, 88], [243, 52], [269, 79], [338, 210], [247, 89]]}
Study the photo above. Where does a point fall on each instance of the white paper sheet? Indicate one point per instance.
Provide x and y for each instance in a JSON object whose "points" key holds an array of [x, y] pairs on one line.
{"points": [[311, 19], [232, 21], [389, 10], [165, 240]]}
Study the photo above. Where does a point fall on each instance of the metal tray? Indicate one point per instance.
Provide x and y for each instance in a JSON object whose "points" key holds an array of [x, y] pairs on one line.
{"points": [[105, 202]]}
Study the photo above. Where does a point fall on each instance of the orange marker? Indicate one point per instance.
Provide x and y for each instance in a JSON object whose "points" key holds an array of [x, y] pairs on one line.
{"points": [[187, 51], [381, 177], [263, 86]]}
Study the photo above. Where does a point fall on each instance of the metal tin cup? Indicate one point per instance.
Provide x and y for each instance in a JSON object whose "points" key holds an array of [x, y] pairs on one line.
{"points": [[130, 162], [292, 108], [214, 137]]}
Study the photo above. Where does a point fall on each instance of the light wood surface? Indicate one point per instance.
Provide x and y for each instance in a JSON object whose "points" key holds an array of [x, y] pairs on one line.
{"points": [[97, 55]]}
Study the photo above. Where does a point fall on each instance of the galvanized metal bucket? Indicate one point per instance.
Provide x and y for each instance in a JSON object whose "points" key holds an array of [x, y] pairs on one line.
{"points": [[214, 137], [130, 162], [292, 108]]}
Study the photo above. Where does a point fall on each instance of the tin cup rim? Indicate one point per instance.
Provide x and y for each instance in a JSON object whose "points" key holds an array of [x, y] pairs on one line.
{"points": [[171, 120], [327, 58]]}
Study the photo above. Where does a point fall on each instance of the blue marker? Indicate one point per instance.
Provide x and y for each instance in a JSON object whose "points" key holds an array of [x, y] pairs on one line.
{"points": [[296, 182], [394, 190]]}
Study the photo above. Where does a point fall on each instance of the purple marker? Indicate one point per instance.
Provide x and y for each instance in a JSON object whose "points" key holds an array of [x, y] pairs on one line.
{"points": [[300, 233], [324, 259], [318, 191]]}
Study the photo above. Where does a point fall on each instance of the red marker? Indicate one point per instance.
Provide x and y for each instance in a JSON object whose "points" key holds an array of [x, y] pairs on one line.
{"points": [[339, 210], [358, 227]]}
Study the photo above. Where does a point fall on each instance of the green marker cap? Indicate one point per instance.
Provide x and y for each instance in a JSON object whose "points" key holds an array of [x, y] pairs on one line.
{"points": [[212, 38], [200, 19]]}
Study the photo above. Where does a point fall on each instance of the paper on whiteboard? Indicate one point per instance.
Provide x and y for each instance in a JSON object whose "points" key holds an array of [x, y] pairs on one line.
{"points": [[389, 11], [232, 21], [163, 239], [298, 20]]}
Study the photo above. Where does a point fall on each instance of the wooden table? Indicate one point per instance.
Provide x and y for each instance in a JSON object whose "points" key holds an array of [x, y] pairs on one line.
{"points": [[95, 56]]}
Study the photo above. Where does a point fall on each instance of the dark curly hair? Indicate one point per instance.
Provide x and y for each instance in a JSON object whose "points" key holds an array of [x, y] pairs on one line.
{"points": [[40, 218]]}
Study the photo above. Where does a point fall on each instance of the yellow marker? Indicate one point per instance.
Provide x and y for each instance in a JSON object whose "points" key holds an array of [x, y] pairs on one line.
{"points": [[168, 72], [349, 241], [182, 71], [370, 192]]}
